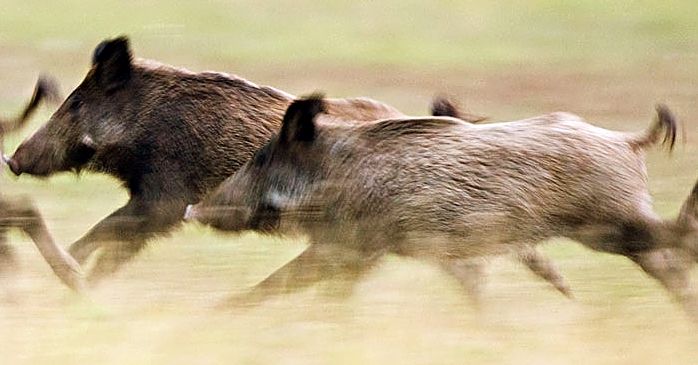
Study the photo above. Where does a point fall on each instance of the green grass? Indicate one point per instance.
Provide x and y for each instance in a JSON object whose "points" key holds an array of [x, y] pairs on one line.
{"points": [[607, 61]]}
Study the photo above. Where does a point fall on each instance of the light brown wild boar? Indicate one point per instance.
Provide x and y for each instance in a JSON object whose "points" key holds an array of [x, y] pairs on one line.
{"points": [[21, 213], [169, 135], [441, 190]]}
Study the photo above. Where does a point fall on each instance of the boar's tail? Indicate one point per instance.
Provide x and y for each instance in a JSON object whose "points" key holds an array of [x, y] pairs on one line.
{"points": [[46, 89], [444, 106], [664, 127]]}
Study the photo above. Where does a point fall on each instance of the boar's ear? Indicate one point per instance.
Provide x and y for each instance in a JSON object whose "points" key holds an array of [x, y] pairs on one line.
{"points": [[444, 106], [112, 63], [299, 120]]}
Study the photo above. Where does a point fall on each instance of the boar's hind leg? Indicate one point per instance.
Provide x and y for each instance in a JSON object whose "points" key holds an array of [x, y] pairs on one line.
{"points": [[124, 233], [317, 263], [545, 269]]}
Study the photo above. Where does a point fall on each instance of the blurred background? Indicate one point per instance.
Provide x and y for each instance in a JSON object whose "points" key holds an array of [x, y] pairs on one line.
{"points": [[609, 62]]}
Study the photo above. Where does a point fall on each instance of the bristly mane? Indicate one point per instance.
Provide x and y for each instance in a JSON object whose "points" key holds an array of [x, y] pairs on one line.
{"points": [[409, 126], [223, 77]]}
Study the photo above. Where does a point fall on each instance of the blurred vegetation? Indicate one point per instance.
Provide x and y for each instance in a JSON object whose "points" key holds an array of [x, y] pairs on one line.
{"points": [[416, 33]]}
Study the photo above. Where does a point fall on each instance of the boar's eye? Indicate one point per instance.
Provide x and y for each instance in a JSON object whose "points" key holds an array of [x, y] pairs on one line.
{"points": [[262, 156], [75, 104]]}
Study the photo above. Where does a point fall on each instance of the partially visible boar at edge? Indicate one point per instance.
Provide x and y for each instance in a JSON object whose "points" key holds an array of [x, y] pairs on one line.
{"points": [[21, 213], [439, 189]]}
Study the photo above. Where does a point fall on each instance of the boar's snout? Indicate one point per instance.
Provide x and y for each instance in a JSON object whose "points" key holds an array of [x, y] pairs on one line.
{"points": [[20, 162], [31, 158], [12, 164]]}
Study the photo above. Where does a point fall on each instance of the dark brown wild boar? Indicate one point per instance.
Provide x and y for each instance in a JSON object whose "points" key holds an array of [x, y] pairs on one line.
{"points": [[21, 213], [442, 190], [170, 136]]}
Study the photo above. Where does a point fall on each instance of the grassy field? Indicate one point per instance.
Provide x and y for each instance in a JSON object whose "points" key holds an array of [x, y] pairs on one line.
{"points": [[606, 61]]}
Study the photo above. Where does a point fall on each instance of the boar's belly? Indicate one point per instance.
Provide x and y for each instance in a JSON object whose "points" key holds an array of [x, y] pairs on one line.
{"points": [[448, 245]]}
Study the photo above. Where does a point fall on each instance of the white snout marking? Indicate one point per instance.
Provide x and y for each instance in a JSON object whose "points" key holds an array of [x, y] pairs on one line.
{"points": [[189, 213], [279, 200], [6, 159]]}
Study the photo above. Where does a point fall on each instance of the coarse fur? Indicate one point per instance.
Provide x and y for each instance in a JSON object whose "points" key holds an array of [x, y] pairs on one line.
{"points": [[441, 190]]}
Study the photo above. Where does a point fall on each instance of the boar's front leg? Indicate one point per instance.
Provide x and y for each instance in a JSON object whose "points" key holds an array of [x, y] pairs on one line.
{"points": [[8, 261], [121, 225], [8, 265], [317, 263], [124, 233], [470, 274], [23, 215], [544, 268]]}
